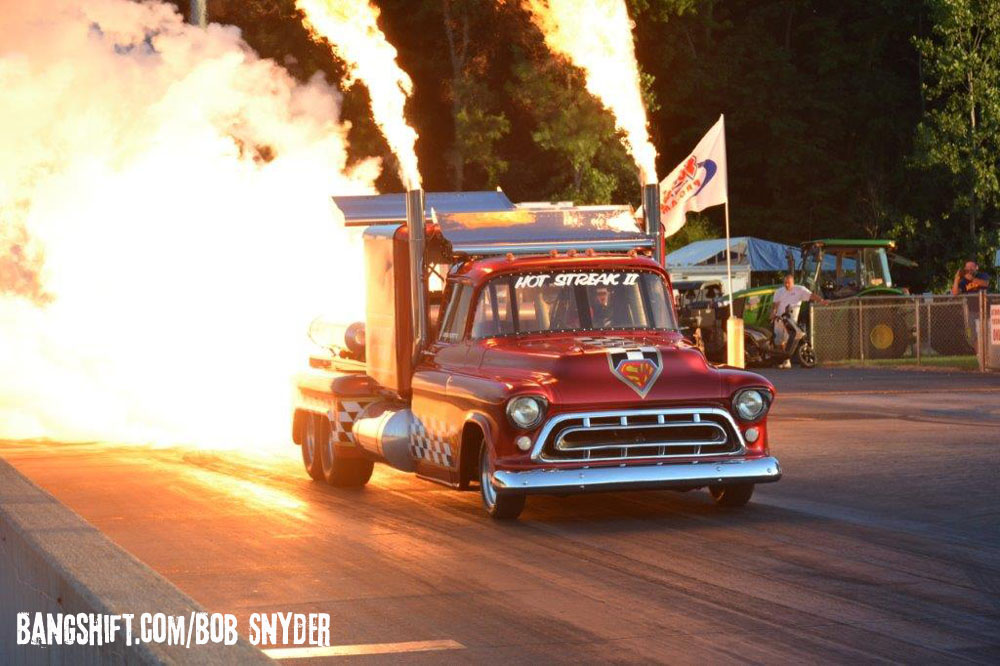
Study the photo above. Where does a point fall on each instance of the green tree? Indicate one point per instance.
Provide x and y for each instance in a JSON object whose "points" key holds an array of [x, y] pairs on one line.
{"points": [[478, 126], [576, 133], [820, 102], [960, 130], [698, 227]]}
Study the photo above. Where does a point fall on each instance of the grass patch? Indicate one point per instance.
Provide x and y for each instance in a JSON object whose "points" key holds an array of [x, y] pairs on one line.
{"points": [[962, 362]]}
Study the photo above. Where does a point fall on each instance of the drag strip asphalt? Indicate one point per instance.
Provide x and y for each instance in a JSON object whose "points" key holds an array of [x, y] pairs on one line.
{"points": [[881, 543]]}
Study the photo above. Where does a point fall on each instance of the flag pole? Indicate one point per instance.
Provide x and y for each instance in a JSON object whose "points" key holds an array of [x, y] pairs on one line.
{"points": [[734, 326], [729, 250], [729, 259]]}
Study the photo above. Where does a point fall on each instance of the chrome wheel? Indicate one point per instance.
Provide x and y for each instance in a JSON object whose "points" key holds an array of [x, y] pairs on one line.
{"points": [[485, 482], [501, 506]]}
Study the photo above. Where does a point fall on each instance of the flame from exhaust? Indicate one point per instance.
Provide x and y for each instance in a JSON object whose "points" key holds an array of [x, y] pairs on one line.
{"points": [[166, 231], [351, 28], [596, 36]]}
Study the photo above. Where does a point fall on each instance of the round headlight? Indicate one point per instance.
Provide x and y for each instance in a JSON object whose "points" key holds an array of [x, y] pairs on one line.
{"points": [[525, 411], [750, 405]]}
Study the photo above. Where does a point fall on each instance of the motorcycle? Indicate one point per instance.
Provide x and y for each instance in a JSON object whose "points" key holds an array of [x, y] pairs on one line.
{"points": [[761, 349]]}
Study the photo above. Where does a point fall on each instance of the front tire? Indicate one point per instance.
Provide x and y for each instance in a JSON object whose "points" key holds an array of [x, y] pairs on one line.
{"points": [[337, 470], [310, 446], [500, 506], [737, 494]]}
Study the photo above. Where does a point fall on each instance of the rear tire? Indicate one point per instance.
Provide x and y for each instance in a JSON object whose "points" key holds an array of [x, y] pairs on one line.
{"points": [[886, 332], [500, 506], [337, 470], [310, 446], [805, 355], [732, 495]]}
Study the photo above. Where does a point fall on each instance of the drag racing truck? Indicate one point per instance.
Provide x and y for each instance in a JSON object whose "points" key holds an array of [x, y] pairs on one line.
{"points": [[525, 351]]}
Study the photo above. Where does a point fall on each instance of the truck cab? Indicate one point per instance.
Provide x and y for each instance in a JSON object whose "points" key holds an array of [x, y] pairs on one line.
{"points": [[551, 363]]}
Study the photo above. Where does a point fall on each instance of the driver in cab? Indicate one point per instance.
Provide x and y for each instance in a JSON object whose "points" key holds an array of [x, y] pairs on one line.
{"points": [[601, 309], [788, 296]]}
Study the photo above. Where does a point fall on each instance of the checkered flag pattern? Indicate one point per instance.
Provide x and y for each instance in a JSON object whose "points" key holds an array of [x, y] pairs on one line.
{"points": [[342, 416], [633, 354], [428, 441]]}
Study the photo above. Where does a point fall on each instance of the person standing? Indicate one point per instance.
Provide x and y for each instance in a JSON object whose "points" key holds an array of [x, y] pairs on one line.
{"points": [[789, 295], [969, 280]]}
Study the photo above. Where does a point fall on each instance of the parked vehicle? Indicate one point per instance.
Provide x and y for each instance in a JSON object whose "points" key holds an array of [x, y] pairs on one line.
{"points": [[696, 314], [838, 270], [860, 269], [762, 350], [550, 362]]}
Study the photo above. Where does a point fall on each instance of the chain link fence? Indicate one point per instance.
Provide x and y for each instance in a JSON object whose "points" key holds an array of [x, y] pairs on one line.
{"points": [[929, 329]]}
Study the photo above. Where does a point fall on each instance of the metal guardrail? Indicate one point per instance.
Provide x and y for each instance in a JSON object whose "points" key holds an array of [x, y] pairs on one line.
{"points": [[927, 329]]}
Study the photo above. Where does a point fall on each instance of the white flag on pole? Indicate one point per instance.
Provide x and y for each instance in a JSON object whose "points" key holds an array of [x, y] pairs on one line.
{"points": [[697, 183]]}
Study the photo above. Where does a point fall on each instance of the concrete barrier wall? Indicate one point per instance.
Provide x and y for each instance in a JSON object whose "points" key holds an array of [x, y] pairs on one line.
{"points": [[53, 561]]}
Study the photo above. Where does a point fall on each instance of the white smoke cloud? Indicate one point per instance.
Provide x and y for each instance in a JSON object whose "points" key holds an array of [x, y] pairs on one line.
{"points": [[168, 192]]}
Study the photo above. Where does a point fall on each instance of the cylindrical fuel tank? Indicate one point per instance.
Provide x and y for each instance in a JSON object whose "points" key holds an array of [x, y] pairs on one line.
{"points": [[383, 430]]}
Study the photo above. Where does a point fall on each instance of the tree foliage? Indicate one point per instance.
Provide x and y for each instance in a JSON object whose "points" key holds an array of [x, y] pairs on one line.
{"points": [[961, 129], [586, 158], [848, 118], [478, 124], [698, 227]]}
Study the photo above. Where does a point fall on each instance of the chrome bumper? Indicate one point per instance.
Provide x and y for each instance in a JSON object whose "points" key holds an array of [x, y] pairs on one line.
{"points": [[637, 477]]}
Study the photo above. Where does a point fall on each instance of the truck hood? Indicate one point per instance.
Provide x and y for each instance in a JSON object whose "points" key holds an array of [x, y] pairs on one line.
{"points": [[609, 370]]}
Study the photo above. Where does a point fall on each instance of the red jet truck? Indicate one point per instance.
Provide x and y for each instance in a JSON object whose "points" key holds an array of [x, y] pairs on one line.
{"points": [[527, 350]]}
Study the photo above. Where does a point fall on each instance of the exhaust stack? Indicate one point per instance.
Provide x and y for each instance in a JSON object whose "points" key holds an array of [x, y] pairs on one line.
{"points": [[651, 211], [418, 291], [383, 431]]}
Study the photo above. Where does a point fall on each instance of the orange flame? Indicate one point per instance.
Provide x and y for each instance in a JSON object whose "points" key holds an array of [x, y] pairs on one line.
{"points": [[169, 196], [351, 27], [596, 36]]}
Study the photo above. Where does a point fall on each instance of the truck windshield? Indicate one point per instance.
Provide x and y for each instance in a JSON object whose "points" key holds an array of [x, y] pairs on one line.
{"points": [[572, 301]]}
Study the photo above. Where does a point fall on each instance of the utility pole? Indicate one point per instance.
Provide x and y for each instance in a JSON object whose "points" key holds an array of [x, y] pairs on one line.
{"points": [[198, 11]]}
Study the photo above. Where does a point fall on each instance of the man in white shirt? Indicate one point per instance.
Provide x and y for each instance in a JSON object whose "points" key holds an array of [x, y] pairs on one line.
{"points": [[789, 295]]}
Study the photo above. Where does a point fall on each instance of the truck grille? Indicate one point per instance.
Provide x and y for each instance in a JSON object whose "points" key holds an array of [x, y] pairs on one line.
{"points": [[648, 433]]}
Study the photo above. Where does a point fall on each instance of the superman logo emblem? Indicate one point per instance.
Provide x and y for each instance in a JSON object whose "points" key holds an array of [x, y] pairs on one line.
{"points": [[636, 368]]}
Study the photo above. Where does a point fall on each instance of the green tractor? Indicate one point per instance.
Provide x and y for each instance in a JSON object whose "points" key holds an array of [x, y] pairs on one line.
{"points": [[841, 269]]}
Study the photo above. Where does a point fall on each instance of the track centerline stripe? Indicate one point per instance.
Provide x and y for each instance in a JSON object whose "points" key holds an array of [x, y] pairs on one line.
{"points": [[980, 389], [361, 649]]}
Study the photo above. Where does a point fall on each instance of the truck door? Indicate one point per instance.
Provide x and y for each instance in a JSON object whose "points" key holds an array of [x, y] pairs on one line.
{"points": [[438, 421]]}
